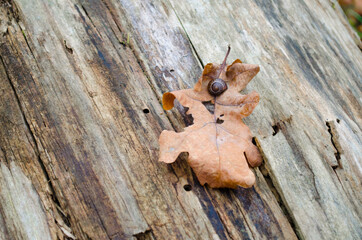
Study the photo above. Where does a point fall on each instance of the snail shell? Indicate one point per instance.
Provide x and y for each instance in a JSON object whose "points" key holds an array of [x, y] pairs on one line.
{"points": [[217, 87]]}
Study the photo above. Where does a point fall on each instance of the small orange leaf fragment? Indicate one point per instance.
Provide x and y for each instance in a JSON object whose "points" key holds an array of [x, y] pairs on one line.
{"points": [[219, 144], [167, 101]]}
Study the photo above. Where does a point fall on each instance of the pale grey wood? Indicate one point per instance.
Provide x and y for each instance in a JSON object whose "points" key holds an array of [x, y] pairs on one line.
{"points": [[3, 231], [21, 207]]}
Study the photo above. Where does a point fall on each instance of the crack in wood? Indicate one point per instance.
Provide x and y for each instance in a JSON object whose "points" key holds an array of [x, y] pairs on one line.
{"points": [[335, 142], [338, 149], [3, 154], [69, 49], [144, 235], [188, 37]]}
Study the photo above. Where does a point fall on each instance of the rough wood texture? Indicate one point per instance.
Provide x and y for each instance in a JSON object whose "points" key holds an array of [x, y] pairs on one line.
{"points": [[79, 152]]}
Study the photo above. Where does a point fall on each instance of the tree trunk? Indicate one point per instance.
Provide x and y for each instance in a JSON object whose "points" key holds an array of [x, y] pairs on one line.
{"points": [[80, 115]]}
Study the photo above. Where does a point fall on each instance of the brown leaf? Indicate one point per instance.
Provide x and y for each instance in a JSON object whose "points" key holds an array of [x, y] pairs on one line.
{"points": [[219, 144]]}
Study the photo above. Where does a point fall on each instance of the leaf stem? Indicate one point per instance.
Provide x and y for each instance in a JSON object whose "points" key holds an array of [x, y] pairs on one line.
{"points": [[224, 62]]}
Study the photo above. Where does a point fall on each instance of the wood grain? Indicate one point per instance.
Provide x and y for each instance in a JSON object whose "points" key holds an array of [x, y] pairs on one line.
{"points": [[80, 115], [316, 70]]}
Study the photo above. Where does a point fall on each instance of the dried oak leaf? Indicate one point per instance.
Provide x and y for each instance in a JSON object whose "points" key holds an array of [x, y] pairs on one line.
{"points": [[219, 144]]}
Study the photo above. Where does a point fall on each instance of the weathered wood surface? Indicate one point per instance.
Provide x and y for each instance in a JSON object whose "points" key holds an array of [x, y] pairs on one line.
{"points": [[78, 154]]}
